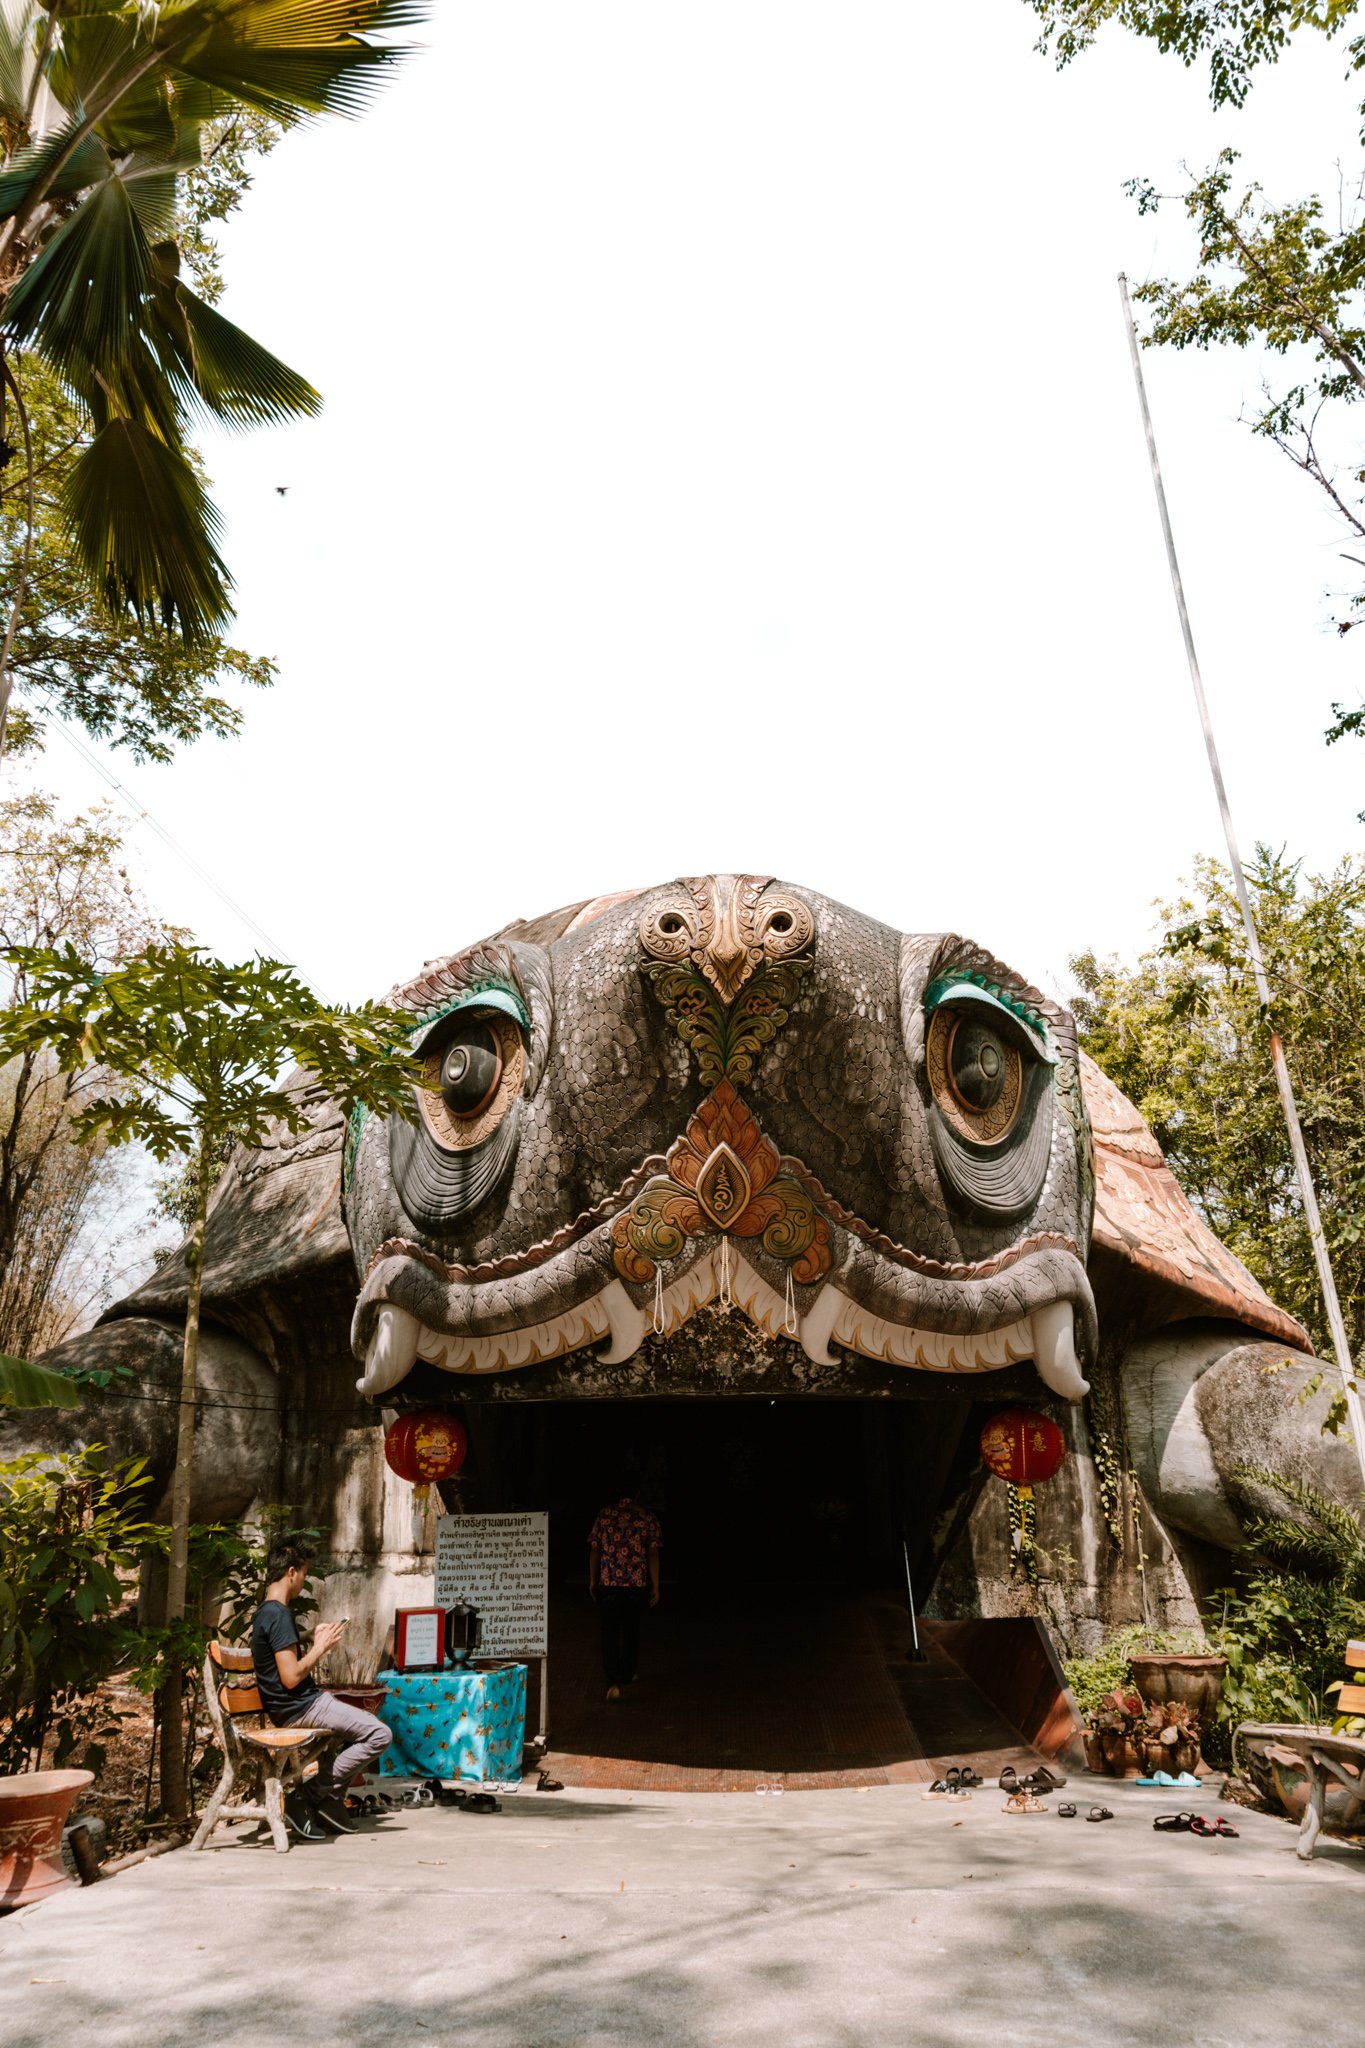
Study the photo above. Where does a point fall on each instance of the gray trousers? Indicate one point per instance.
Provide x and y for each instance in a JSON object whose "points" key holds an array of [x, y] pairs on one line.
{"points": [[367, 1739]]}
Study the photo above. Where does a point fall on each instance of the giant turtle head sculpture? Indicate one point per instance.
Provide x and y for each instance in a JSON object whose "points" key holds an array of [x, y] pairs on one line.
{"points": [[881, 1150], [729, 1088]]}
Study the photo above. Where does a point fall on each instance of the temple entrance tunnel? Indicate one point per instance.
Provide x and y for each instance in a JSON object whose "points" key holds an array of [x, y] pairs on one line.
{"points": [[779, 1649]]}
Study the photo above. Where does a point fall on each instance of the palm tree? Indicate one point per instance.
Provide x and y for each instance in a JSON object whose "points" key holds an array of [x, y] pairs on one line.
{"points": [[103, 107]]}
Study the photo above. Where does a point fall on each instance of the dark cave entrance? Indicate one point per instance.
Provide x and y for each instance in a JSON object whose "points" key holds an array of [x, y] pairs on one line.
{"points": [[779, 1647]]}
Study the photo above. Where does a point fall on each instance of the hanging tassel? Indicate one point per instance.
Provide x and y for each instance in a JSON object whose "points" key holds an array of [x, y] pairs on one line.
{"points": [[727, 1299], [659, 1319], [789, 1323]]}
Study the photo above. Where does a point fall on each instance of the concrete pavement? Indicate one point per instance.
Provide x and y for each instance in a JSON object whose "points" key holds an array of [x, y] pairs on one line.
{"points": [[839, 1919]]}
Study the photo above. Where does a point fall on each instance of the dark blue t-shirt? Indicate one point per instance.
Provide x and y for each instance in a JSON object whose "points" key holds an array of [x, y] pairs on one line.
{"points": [[273, 1629]]}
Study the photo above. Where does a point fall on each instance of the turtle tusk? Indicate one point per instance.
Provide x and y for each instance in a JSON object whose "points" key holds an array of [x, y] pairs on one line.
{"points": [[393, 1349], [1054, 1351]]}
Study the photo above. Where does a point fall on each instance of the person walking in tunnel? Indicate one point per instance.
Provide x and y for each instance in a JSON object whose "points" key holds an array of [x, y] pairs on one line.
{"points": [[623, 1578]]}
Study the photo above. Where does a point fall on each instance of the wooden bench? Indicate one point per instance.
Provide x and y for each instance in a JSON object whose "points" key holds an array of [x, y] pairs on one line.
{"points": [[255, 1754]]}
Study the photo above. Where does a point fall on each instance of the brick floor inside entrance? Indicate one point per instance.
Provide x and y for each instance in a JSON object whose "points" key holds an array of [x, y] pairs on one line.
{"points": [[808, 1689]]}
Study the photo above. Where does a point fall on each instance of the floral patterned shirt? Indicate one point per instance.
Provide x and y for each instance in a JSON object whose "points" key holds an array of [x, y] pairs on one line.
{"points": [[625, 1535]]}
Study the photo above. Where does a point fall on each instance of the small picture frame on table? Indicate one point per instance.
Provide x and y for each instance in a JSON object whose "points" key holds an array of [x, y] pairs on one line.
{"points": [[419, 1638]]}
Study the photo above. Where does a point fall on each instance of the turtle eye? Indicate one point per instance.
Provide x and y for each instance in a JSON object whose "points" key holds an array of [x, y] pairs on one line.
{"points": [[474, 1073], [471, 1068], [977, 1075]]}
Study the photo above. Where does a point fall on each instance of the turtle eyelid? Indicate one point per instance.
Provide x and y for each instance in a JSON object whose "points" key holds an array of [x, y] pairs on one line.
{"points": [[973, 991]]}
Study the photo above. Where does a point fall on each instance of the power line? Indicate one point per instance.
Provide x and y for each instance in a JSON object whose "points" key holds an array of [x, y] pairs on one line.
{"points": [[143, 816]]}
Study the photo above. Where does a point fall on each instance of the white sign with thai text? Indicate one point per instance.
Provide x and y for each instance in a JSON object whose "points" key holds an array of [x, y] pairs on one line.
{"points": [[498, 1564]]}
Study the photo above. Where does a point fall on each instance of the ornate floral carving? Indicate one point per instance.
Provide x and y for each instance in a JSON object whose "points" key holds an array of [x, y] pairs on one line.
{"points": [[723, 1174], [727, 1041]]}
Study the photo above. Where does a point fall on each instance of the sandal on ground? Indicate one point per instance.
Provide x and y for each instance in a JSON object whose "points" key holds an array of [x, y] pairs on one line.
{"points": [[545, 1783], [1200, 1826], [938, 1790], [480, 1802], [1173, 1823], [1045, 1779], [1066, 1811], [969, 1777], [1009, 1779], [1100, 1813], [942, 1788], [1023, 1802], [953, 1777]]}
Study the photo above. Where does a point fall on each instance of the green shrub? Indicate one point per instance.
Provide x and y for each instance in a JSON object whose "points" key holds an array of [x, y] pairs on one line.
{"points": [[70, 1541]]}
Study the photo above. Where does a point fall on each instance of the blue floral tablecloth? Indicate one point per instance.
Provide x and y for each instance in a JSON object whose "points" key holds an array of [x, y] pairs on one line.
{"points": [[470, 1724]]}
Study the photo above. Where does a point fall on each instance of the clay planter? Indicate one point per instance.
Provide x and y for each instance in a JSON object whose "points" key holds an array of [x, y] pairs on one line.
{"points": [[1193, 1682], [33, 1810], [1172, 1757], [369, 1698], [1108, 1752]]}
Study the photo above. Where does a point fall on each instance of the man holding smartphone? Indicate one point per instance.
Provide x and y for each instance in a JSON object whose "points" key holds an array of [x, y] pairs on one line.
{"points": [[292, 1698]]}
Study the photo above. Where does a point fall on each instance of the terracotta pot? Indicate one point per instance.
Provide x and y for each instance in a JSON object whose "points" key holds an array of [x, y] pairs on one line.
{"points": [[1169, 1757], [369, 1698], [33, 1810], [1193, 1682]]}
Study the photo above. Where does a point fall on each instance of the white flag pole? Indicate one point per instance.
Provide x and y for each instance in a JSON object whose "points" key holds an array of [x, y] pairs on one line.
{"points": [[1308, 1195]]}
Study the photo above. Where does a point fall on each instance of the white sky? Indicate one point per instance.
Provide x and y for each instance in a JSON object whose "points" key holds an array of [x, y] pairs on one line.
{"points": [[731, 460]]}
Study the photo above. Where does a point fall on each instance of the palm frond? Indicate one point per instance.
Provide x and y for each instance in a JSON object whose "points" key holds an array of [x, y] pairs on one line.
{"points": [[286, 24], [80, 303], [147, 531], [18, 54], [291, 84], [88, 163], [99, 64], [232, 375]]}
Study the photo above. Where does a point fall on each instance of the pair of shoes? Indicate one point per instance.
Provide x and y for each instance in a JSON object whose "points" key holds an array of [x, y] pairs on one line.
{"points": [[1200, 1826], [950, 1787], [763, 1791], [301, 1818], [330, 1811], [1043, 1779], [1021, 1801], [613, 1692]]}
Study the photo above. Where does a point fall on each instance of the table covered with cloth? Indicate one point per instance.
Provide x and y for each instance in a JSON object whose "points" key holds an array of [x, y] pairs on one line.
{"points": [[455, 1724]]}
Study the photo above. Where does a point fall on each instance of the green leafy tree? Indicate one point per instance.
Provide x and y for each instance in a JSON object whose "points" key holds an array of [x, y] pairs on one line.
{"points": [[1301, 1599], [1234, 37], [71, 1534], [195, 1049], [128, 682], [62, 879], [1284, 277], [103, 113], [1182, 1034]]}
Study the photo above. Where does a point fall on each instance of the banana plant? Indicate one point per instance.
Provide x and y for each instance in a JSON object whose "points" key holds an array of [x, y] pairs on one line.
{"points": [[104, 106]]}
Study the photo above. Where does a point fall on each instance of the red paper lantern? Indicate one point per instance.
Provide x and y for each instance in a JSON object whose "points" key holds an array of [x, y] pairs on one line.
{"points": [[1022, 1447], [426, 1446]]}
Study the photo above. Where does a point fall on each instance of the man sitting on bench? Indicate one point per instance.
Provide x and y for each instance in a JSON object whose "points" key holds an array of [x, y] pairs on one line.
{"points": [[292, 1697]]}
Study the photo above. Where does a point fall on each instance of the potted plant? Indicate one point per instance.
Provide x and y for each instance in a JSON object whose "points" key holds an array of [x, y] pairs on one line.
{"points": [[1108, 1738], [1168, 1738]]}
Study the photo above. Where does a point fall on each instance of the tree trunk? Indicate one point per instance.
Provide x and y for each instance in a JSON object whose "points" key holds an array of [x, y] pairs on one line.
{"points": [[173, 1756]]}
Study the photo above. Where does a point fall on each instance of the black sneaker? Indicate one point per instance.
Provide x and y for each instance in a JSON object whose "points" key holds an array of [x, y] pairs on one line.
{"points": [[330, 1811], [301, 1819]]}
